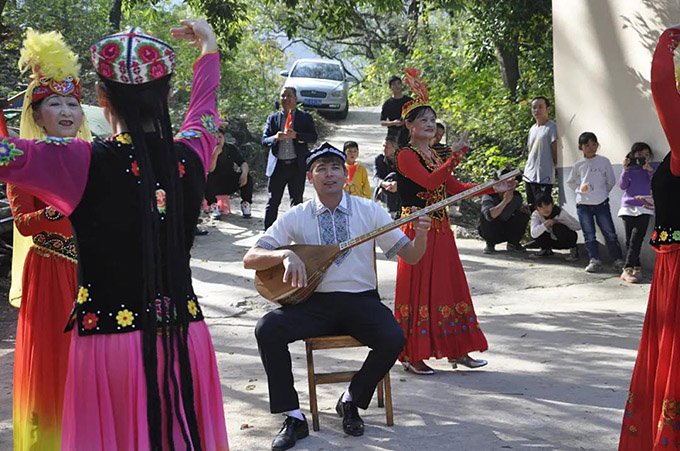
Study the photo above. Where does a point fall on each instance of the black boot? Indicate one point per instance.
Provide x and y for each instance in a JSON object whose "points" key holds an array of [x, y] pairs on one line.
{"points": [[352, 423], [291, 431]]}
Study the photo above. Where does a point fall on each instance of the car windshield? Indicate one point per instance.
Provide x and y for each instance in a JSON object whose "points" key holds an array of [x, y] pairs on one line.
{"points": [[325, 71]]}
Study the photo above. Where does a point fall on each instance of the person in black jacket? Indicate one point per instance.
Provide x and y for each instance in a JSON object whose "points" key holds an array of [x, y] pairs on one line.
{"points": [[385, 176], [287, 134], [224, 178]]}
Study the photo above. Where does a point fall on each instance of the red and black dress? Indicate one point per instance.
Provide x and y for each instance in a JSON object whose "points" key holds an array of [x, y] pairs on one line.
{"points": [[41, 353], [432, 302], [652, 415]]}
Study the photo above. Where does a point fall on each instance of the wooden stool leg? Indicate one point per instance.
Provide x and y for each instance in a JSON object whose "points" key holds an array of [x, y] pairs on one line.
{"points": [[381, 394], [388, 400], [311, 377]]}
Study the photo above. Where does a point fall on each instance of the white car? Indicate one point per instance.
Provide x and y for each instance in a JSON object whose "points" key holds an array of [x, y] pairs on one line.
{"points": [[321, 85]]}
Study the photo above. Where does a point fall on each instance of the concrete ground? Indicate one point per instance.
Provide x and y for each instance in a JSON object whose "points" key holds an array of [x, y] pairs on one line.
{"points": [[562, 344]]}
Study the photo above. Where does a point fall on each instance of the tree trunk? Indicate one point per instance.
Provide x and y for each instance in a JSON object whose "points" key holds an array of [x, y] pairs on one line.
{"points": [[115, 14], [509, 65], [3, 3], [413, 16]]}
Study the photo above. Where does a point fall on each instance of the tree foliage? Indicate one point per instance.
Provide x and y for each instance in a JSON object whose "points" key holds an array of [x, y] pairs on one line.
{"points": [[482, 59]]}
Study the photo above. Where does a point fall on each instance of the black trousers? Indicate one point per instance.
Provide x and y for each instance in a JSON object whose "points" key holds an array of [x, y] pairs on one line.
{"points": [[536, 190], [285, 173], [360, 315], [221, 183], [566, 238], [636, 228], [498, 231]]}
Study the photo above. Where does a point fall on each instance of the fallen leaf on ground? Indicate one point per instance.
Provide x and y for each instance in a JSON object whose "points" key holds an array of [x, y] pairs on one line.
{"points": [[250, 387], [245, 426]]}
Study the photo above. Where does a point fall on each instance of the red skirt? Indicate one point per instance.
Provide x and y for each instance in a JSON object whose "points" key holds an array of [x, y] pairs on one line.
{"points": [[652, 416], [432, 301], [41, 351]]}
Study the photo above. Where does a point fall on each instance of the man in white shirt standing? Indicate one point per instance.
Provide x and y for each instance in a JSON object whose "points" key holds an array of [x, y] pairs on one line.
{"points": [[345, 302], [539, 172]]}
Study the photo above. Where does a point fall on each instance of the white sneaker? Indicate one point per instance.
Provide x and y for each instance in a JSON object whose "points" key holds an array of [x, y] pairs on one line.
{"points": [[629, 276], [594, 265], [245, 209], [215, 212]]}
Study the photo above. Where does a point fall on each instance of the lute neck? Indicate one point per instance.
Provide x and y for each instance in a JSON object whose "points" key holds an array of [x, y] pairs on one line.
{"points": [[352, 242]]}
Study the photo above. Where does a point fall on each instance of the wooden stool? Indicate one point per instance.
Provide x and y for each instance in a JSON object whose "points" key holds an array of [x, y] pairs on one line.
{"points": [[335, 342]]}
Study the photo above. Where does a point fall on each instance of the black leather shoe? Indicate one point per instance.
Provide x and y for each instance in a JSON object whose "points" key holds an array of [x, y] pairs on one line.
{"points": [[352, 423], [291, 431]]}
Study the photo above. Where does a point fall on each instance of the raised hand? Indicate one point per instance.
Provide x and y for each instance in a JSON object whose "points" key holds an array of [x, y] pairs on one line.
{"points": [[198, 32], [461, 144]]}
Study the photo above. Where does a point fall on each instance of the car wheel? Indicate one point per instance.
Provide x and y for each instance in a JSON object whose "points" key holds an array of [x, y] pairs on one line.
{"points": [[343, 114]]}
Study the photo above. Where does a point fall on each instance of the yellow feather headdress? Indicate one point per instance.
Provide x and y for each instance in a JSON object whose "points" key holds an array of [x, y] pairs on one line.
{"points": [[54, 66]]}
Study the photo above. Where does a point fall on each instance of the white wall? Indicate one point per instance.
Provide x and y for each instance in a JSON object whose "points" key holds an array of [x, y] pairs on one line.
{"points": [[602, 53]]}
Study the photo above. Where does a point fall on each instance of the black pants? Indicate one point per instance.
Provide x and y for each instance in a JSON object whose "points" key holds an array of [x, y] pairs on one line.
{"points": [[498, 231], [285, 173], [536, 190], [226, 183], [566, 238], [636, 228], [360, 315]]}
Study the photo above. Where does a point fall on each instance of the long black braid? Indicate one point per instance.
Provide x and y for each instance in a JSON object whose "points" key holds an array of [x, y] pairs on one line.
{"points": [[163, 256]]}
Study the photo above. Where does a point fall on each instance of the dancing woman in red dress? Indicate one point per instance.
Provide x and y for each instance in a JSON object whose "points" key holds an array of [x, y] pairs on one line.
{"points": [[652, 416], [432, 303], [47, 275]]}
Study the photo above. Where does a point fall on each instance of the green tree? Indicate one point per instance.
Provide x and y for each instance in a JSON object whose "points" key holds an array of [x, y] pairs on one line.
{"points": [[342, 29], [507, 31]]}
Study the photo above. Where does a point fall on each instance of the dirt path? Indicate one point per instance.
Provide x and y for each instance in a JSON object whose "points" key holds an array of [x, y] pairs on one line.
{"points": [[561, 349], [562, 344]]}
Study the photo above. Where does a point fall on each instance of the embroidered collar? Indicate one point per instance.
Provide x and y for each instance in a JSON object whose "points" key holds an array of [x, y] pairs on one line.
{"points": [[344, 207], [432, 163]]}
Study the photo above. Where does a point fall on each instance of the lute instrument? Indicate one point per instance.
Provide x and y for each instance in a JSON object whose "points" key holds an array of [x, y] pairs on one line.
{"points": [[318, 258]]}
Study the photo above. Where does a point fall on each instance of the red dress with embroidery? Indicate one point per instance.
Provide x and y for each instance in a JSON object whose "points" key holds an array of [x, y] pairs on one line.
{"points": [[41, 354], [432, 301], [651, 419]]}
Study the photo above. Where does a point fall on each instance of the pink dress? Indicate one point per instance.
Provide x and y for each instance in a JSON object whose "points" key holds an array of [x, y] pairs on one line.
{"points": [[105, 396]]}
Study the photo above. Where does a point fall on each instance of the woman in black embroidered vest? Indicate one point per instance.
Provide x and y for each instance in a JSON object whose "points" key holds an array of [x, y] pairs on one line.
{"points": [[142, 371], [652, 419], [432, 301]]}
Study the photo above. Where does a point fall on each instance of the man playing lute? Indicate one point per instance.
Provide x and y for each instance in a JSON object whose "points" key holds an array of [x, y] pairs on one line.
{"points": [[346, 302]]}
